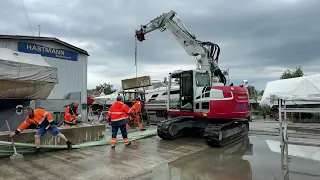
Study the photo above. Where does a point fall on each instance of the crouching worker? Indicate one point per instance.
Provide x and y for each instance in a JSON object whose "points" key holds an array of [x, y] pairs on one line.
{"points": [[135, 111], [43, 120], [118, 116], [71, 113]]}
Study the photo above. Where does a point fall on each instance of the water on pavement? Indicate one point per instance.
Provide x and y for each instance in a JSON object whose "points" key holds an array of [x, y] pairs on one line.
{"points": [[248, 159]]}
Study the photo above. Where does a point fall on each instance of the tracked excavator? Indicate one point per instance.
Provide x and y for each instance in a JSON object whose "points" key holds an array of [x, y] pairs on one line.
{"points": [[206, 105]]}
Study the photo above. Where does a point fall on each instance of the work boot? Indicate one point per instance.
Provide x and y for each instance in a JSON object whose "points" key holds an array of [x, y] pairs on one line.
{"points": [[37, 152], [128, 143], [69, 144], [143, 129]]}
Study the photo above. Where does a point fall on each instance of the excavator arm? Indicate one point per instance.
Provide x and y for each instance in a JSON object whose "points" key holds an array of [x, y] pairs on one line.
{"points": [[206, 53]]}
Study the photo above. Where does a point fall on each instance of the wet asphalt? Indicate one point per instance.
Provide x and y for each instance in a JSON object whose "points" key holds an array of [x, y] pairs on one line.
{"points": [[247, 159], [156, 159]]}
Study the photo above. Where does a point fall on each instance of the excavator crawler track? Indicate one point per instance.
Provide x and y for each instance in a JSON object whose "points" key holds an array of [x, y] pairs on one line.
{"points": [[219, 135], [168, 129], [215, 134]]}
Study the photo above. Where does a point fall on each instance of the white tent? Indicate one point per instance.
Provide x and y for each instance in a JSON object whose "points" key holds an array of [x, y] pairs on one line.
{"points": [[306, 86], [25, 76]]}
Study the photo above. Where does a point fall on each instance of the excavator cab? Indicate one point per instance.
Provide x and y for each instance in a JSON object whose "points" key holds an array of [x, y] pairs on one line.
{"points": [[190, 82], [130, 95]]}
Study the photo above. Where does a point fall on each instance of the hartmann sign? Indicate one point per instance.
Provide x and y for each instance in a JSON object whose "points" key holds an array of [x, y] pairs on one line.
{"points": [[47, 51]]}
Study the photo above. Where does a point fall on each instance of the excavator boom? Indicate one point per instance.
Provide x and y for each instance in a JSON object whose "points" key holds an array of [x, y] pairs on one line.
{"points": [[206, 53]]}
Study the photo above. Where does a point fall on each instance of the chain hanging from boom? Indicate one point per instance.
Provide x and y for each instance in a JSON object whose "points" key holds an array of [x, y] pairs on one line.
{"points": [[135, 54]]}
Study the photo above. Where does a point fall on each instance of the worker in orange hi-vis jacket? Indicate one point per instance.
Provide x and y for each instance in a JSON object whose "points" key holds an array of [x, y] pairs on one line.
{"points": [[71, 113], [43, 120], [118, 117], [135, 110]]}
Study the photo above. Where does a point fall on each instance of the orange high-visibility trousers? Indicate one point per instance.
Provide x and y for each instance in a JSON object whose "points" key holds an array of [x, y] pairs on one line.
{"points": [[137, 119]]}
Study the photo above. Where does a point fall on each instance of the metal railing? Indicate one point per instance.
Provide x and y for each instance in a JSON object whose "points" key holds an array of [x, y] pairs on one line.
{"points": [[283, 127]]}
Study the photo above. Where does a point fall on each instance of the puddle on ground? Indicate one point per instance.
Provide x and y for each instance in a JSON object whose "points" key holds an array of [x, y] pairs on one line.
{"points": [[248, 159]]}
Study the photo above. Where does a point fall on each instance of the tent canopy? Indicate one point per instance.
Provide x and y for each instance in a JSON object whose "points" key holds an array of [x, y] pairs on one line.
{"points": [[25, 76], [306, 86]]}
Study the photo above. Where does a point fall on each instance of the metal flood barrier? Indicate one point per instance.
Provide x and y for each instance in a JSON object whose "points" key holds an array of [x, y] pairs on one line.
{"points": [[283, 127]]}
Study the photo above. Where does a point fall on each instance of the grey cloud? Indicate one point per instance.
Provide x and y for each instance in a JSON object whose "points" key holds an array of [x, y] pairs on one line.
{"points": [[285, 36], [114, 70], [291, 52]]}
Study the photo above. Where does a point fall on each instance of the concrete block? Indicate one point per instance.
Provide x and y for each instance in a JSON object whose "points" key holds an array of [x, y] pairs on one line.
{"points": [[77, 134]]}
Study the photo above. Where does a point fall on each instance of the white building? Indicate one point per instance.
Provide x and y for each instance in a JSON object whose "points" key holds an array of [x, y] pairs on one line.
{"points": [[70, 61]]}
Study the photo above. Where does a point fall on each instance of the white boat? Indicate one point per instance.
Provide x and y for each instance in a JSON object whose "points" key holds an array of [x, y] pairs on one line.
{"points": [[106, 99], [155, 96]]}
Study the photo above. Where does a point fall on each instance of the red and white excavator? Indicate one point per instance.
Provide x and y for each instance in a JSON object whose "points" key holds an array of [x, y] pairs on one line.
{"points": [[218, 111]]}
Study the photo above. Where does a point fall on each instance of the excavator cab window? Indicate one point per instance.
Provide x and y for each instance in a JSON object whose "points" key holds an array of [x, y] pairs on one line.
{"points": [[202, 79], [132, 96], [186, 91], [126, 96], [142, 97]]}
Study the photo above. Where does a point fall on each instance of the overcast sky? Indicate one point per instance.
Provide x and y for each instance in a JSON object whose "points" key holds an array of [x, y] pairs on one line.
{"points": [[258, 38]]}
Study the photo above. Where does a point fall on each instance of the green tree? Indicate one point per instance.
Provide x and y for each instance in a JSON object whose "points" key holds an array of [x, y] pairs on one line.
{"points": [[252, 92], [261, 93], [298, 72], [107, 88], [287, 74]]}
